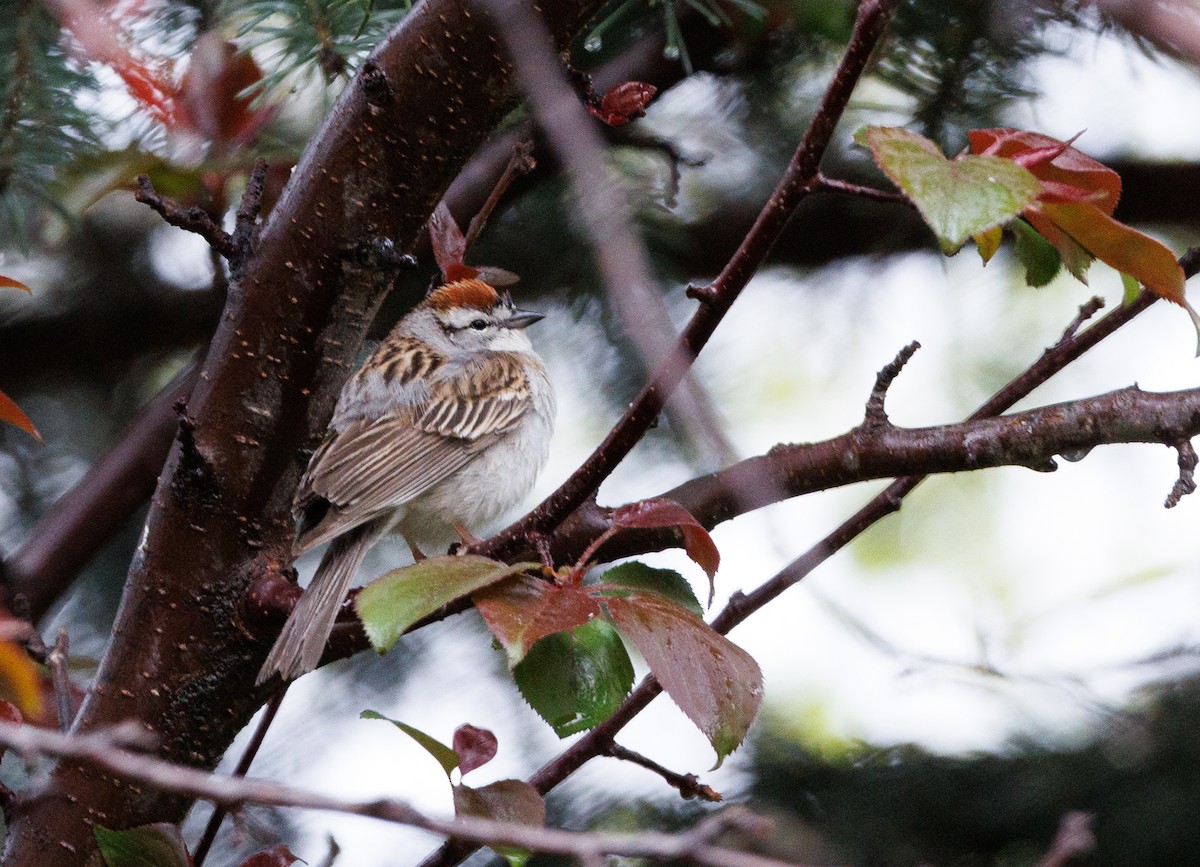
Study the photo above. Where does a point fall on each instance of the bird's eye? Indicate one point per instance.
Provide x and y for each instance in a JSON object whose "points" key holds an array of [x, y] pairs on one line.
{"points": [[479, 324]]}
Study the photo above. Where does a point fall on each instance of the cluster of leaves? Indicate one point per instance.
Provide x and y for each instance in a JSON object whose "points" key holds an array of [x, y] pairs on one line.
{"points": [[1055, 199], [562, 636], [502, 801]]}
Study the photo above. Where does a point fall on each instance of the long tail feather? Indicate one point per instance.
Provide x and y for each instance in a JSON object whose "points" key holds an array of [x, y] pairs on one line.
{"points": [[302, 641]]}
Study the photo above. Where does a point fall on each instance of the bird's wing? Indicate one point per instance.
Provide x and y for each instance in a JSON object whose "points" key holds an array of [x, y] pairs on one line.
{"points": [[374, 465]]}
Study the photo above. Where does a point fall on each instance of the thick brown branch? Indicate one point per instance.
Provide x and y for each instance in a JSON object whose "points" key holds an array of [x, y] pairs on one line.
{"points": [[182, 657]]}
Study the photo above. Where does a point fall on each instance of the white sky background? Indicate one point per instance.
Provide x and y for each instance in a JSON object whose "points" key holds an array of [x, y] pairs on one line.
{"points": [[1057, 582]]}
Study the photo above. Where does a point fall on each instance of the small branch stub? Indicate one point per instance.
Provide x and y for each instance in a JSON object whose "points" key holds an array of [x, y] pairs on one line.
{"points": [[1186, 483], [876, 414]]}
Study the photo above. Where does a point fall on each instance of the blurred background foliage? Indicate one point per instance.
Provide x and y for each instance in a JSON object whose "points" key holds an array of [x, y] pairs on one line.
{"points": [[1003, 652]]}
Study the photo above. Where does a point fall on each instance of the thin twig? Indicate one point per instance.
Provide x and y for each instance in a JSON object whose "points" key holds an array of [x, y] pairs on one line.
{"points": [[520, 163], [243, 767], [108, 749], [873, 16], [688, 785], [193, 219], [605, 213], [824, 184]]}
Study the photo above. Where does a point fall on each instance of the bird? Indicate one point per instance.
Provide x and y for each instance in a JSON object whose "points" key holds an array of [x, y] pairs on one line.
{"points": [[445, 427]]}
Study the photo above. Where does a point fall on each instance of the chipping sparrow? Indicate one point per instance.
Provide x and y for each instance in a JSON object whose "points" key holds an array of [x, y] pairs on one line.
{"points": [[445, 426]]}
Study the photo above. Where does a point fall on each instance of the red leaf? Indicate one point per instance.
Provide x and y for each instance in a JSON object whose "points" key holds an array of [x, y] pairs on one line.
{"points": [[209, 100], [10, 283], [716, 683], [12, 414], [523, 610], [665, 513], [449, 244], [474, 746], [1068, 166], [624, 102], [278, 855]]}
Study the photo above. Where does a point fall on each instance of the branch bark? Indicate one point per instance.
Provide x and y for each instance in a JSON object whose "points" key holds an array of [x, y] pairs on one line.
{"points": [[181, 658]]}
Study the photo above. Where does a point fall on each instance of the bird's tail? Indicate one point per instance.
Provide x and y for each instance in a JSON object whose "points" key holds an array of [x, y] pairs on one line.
{"points": [[302, 641]]}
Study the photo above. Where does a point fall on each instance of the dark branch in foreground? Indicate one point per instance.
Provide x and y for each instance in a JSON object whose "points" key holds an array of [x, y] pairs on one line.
{"points": [[110, 749]]}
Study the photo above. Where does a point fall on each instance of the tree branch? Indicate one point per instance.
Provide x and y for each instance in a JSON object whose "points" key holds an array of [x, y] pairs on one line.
{"points": [[794, 186], [109, 750]]}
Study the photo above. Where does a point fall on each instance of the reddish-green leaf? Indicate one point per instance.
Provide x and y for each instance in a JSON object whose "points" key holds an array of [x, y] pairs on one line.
{"points": [[576, 679], [716, 683], [12, 414], [474, 746], [504, 801], [445, 756], [523, 610], [958, 198], [278, 855], [637, 576], [157, 845], [389, 605], [11, 715], [10, 283], [1126, 249], [1053, 161], [660, 512]]}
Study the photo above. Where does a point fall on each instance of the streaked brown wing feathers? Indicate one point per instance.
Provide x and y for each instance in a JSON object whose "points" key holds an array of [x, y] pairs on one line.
{"points": [[372, 466]]}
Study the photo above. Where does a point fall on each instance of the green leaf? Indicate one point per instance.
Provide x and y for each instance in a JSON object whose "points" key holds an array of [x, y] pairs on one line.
{"points": [[504, 801], [389, 605], [958, 198], [157, 845], [716, 683], [445, 756], [523, 610], [1042, 262], [576, 679], [665, 582]]}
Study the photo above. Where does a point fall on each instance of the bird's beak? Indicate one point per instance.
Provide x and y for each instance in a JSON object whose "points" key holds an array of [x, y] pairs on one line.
{"points": [[522, 319]]}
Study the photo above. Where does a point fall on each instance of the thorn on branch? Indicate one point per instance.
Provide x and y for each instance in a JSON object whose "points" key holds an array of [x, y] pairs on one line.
{"points": [[1186, 483], [703, 294], [876, 414], [193, 219], [688, 785], [520, 163]]}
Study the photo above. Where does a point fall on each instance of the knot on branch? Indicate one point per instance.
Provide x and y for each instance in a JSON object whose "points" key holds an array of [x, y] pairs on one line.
{"points": [[1186, 483], [194, 474], [375, 86], [876, 415]]}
